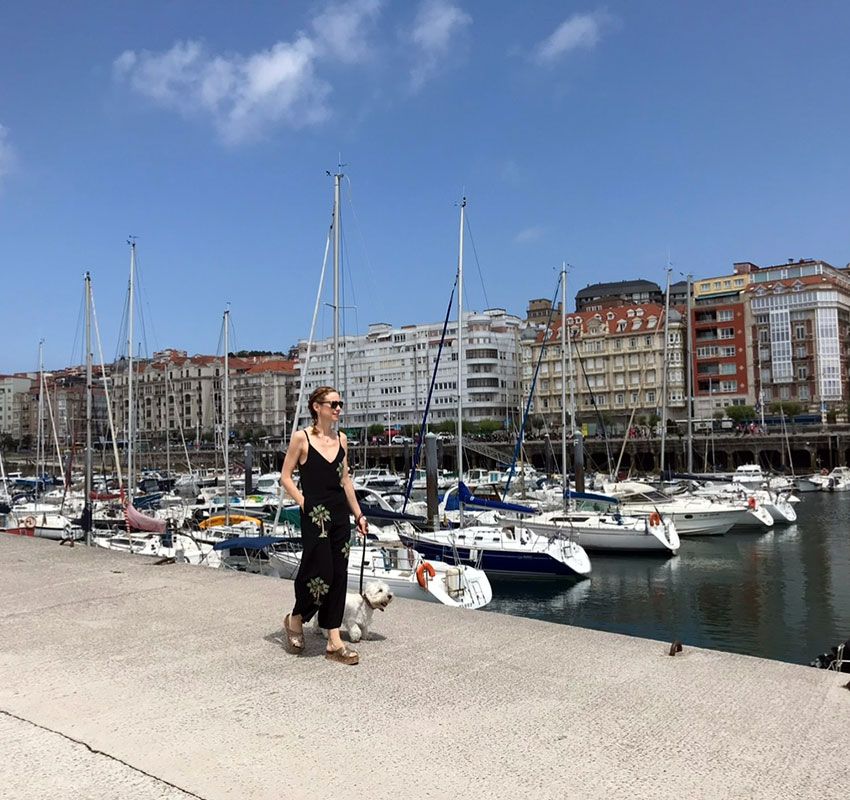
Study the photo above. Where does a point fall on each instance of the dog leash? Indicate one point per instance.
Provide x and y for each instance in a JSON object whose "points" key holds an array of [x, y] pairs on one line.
{"points": [[362, 563]]}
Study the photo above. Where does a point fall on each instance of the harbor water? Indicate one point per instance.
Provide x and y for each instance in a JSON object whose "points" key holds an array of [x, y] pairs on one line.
{"points": [[782, 594]]}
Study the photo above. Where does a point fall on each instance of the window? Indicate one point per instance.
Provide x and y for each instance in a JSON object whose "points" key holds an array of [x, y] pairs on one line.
{"points": [[728, 386], [780, 345], [619, 399], [799, 331], [829, 362], [725, 316], [728, 369], [726, 333], [802, 373], [803, 392], [650, 397]]}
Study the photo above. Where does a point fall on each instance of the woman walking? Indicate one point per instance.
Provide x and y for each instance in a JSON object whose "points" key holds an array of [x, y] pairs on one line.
{"points": [[326, 499]]}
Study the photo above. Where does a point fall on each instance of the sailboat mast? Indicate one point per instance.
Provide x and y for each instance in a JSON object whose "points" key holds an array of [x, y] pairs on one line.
{"points": [[130, 404], [87, 508], [565, 479], [460, 387], [336, 225], [689, 384], [226, 417], [167, 430], [664, 373], [39, 445]]}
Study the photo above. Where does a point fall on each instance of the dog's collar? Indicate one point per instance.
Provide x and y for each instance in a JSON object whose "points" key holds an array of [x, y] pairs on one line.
{"points": [[368, 603]]}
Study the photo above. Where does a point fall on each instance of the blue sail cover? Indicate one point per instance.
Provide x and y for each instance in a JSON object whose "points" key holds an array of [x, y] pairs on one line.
{"points": [[596, 498], [468, 499]]}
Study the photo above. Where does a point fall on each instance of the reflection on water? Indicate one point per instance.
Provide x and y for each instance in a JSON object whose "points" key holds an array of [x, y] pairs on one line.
{"points": [[781, 594]]}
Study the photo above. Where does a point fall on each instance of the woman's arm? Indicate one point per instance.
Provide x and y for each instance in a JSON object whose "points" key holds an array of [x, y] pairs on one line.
{"points": [[359, 520], [293, 458]]}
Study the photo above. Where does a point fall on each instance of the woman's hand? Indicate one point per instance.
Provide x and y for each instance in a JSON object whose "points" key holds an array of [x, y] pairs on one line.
{"points": [[362, 526]]}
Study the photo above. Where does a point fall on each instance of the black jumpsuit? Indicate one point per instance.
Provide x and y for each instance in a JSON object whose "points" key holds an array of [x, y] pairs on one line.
{"points": [[322, 578]]}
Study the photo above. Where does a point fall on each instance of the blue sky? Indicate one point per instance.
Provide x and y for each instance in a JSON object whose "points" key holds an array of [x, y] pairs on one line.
{"points": [[602, 135]]}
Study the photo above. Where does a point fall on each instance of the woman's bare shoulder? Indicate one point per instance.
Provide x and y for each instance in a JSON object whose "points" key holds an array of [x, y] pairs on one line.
{"points": [[299, 439]]}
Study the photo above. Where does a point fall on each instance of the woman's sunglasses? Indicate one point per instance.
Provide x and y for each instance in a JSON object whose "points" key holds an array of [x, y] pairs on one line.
{"points": [[334, 404]]}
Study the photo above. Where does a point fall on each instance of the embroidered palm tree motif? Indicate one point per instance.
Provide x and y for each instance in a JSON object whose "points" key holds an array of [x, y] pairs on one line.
{"points": [[319, 516], [318, 588], [346, 549], [340, 469]]}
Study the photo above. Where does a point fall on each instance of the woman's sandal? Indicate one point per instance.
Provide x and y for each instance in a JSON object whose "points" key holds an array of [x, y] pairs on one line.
{"points": [[293, 639], [344, 655]]}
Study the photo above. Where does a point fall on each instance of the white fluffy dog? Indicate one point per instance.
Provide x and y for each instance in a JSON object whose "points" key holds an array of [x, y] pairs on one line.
{"points": [[357, 618]]}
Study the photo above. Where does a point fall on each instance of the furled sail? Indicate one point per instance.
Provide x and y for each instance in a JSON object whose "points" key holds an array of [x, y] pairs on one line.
{"points": [[142, 522]]}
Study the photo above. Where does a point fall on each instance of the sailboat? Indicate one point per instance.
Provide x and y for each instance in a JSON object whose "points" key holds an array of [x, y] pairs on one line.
{"points": [[506, 549], [36, 518], [405, 570], [597, 521]]}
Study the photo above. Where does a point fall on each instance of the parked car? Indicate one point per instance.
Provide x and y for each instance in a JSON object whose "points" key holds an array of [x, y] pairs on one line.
{"points": [[446, 437], [399, 439]]}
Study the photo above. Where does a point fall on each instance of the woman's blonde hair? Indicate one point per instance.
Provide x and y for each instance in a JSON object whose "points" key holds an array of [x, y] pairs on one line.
{"points": [[318, 394]]}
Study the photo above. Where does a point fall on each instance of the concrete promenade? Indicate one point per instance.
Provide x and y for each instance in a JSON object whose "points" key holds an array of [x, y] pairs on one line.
{"points": [[122, 679]]}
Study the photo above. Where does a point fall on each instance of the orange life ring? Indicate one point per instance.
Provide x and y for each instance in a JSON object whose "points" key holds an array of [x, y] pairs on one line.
{"points": [[751, 503], [420, 573], [29, 522], [654, 519]]}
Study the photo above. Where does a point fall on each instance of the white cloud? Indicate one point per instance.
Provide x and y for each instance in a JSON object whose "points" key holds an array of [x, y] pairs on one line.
{"points": [[341, 30], [531, 234], [246, 95], [7, 154], [437, 24], [580, 31]]}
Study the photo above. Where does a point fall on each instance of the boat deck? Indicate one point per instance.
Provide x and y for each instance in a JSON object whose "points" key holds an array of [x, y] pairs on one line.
{"points": [[176, 678]]}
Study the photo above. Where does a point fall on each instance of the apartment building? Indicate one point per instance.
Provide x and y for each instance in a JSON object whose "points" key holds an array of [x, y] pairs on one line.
{"points": [[601, 295], [618, 363], [264, 396], [800, 316], [386, 372], [175, 391], [722, 371], [12, 387], [63, 408]]}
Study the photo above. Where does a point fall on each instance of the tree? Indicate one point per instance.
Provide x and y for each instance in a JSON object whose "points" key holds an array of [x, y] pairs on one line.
{"points": [[740, 414], [788, 407], [489, 426], [375, 430], [718, 415]]}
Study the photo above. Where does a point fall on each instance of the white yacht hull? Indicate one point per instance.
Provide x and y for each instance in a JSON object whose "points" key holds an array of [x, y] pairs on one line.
{"points": [[605, 535], [462, 586], [694, 522]]}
